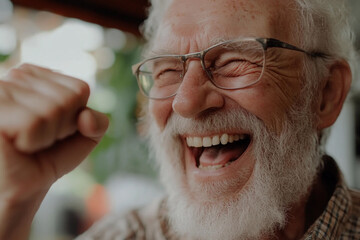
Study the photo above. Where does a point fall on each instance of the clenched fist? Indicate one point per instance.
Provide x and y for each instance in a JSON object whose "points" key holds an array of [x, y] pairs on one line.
{"points": [[46, 130]]}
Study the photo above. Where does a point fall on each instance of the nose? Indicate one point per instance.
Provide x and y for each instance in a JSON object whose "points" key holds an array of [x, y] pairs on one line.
{"points": [[196, 93]]}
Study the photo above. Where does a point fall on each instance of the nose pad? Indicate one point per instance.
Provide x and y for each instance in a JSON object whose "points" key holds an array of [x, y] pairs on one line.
{"points": [[196, 93]]}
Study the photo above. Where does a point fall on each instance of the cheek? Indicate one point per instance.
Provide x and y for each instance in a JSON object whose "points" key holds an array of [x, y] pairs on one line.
{"points": [[265, 105], [269, 100], [277, 98], [287, 91], [271, 107], [161, 111]]}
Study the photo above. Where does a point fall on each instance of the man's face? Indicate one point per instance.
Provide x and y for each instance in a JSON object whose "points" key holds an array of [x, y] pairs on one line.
{"points": [[202, 112], [189, 29]]}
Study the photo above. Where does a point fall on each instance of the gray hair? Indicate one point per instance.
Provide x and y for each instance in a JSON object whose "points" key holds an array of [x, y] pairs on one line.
{"points": [[156, 13], [324, 26]]}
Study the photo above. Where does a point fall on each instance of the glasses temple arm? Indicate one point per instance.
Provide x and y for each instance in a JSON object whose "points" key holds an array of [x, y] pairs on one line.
{"points": [[271, 42]]}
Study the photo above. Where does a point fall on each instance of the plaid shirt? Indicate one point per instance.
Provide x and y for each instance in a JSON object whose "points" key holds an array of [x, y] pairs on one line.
{"points": [[339, 221], [341, 218]]}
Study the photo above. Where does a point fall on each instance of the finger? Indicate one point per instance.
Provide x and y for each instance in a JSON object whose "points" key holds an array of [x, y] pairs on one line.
{"points": [[58, 121], [92, 124], [72, 83], [24, 127], [69, 100], [14, 118], [41, 105], [67, 154], [45, 85]]}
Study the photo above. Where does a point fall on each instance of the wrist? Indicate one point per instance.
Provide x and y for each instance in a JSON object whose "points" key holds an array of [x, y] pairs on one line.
{"points": [[16, 216]]}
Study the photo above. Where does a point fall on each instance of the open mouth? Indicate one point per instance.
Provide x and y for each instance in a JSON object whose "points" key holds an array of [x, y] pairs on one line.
{"points": [[219, 151]]}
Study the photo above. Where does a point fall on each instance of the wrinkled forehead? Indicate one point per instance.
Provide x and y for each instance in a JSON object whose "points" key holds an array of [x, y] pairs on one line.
{"points": [[195, 25]]}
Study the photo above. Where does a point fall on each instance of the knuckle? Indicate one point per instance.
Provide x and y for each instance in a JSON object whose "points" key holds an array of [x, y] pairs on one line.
{"points": [[15, 74], [35, 70], [50, 109], [53, 112], [67, 100], [26, 66], [30, 68], [82, 88], [77, 96]]}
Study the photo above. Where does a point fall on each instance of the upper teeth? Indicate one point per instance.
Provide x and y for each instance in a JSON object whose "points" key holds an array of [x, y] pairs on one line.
{"points": [[214, 140]]}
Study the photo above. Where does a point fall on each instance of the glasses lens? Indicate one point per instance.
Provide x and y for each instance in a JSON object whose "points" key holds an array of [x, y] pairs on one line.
{"points": [[235, 64], [160, 77]]}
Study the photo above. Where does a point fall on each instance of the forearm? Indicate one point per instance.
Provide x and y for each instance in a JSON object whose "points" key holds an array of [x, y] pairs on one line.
{"points": [[16, 218]]}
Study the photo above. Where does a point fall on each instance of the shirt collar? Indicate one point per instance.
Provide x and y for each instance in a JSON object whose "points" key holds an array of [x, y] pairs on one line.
{"points": [[330, 223]]}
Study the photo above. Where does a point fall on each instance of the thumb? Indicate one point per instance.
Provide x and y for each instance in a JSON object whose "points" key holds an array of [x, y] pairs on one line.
{"points": [[92, 124], [66, 154]]}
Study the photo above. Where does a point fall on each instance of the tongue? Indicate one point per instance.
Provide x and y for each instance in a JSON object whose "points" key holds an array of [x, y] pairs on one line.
{"points": [[220, 155]]}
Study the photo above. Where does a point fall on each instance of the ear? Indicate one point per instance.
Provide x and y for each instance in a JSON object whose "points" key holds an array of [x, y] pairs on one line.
{"points": [[333, 93]]}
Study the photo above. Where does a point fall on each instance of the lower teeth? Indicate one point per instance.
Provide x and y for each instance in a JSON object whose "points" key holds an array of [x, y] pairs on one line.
{"points": [[213, 167]]}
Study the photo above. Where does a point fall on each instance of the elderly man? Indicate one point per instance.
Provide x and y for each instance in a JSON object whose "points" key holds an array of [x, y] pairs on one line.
{"points": [[240, 95]]}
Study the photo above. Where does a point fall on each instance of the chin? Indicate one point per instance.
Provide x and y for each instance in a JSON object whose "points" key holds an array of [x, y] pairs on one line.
{"points": [[236, 190]]}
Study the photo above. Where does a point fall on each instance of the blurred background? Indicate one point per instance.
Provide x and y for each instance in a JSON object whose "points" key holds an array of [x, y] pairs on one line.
{"points": [[99, 41]]}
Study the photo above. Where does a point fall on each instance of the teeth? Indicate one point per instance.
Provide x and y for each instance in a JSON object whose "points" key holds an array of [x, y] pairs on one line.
{"points": [[214, 140], [190, 141], [236, 137], [224, 139], [197, 142], [213, 167], [206, 142]]}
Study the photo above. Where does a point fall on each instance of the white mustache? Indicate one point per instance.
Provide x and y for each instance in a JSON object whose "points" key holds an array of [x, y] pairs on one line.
{"points": [[214, 122]]}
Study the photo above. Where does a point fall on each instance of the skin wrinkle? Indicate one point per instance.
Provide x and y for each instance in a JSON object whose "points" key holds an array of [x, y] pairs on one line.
{"points": [[187, 28], [278, 77], [268, 89]]}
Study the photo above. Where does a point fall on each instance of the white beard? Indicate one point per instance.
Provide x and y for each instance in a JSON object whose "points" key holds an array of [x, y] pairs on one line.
{"points": [[284, 170]]}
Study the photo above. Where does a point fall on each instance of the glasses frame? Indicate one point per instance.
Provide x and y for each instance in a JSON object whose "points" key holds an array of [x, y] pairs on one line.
{"points": [[265, 43]]}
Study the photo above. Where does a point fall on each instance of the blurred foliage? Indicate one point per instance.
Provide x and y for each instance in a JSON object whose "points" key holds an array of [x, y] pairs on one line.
{"points": [[3, 58], [121, 149]]}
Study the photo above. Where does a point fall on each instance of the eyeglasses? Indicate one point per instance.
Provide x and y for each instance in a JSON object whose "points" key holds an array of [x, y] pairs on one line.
{"points": [[232, 64]]}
